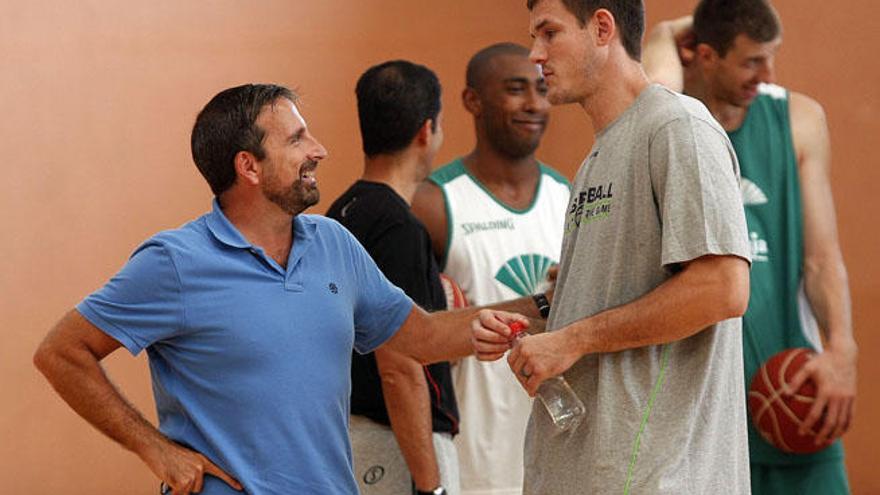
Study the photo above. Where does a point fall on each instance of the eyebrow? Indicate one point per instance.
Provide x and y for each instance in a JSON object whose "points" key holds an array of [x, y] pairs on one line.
{"points": [[297, 134], [540, 25]]}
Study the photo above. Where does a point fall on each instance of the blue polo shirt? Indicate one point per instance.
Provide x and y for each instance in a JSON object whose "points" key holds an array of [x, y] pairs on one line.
{"points": [[250, 361]]}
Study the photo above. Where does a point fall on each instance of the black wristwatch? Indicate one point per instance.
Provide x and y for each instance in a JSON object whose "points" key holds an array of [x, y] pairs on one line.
{"points": [[543, 304], [436, 491]]}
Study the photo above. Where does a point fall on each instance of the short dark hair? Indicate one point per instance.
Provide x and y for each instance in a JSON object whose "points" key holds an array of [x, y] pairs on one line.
{"points": [[478, 65], [395, 99], [629, 15], [717, 23], [226, 126]]}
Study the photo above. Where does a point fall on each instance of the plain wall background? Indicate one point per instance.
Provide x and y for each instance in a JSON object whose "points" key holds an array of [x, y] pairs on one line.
{"points": [[98, 98]]}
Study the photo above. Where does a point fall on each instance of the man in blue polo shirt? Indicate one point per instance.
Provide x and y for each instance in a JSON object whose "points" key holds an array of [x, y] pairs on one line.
{"points": [[248, 315]]}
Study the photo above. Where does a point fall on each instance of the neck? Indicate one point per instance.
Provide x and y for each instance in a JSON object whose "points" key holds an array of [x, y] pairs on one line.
{"points": [[494, 168], [402, 172], [511, 181], [729, 116], [261, 222], [622, 83]]}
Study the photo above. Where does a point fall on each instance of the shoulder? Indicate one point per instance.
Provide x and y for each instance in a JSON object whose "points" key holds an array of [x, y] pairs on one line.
{"points": [[805, 108], [189, 237], [428, 200], [554, 174], [447, 173], [809, 127], [368, 205], [667, 109]]}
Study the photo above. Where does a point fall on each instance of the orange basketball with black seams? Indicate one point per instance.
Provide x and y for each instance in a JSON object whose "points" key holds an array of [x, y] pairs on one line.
{"points": [[778, 417]]}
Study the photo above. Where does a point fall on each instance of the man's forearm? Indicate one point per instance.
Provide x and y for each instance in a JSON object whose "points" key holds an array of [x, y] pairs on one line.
{"points": [[408, 403], [80, 380], [827, 289], [446, 335], [699, 296]]}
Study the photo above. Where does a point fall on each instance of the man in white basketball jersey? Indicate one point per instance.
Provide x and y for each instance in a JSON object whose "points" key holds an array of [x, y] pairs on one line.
{"points": [[496, 220]]}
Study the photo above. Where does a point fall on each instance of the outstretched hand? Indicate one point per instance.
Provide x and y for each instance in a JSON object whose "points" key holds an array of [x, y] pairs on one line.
{"points": [[834, 373], [183, 470], [491, 335]]}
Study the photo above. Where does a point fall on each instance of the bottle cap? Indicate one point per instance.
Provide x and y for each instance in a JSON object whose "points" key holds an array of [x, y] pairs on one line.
{"points": [[516, 328]]}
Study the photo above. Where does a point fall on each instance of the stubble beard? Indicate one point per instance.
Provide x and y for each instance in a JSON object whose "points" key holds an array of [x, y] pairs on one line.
{"points": [[294, 199]]}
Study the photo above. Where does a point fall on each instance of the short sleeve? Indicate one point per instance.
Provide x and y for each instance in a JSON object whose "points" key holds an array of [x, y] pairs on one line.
{"points": [[695, 179], [142, 304], [380, 306]]}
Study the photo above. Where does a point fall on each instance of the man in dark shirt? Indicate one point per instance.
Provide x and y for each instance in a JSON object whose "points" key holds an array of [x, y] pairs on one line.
{"points": [[393, 396]]}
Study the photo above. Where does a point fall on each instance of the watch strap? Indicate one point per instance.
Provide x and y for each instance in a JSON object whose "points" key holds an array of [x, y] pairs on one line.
{"points": [[543, 305]]}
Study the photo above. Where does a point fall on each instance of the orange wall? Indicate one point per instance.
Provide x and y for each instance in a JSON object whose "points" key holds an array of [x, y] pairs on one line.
{"points": [[98, 98]]}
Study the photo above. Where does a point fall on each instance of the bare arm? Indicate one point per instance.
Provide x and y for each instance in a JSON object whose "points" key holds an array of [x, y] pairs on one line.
{"points": [[825, 277], [409, 409], [70, 358], [708, 290], [429, 207], [447, 335], [668, 49]]}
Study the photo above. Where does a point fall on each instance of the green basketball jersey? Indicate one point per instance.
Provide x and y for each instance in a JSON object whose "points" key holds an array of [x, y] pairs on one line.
{"points": [[778, 316]]}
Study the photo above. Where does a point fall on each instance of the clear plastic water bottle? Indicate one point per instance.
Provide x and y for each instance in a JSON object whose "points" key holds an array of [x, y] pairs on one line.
{"points": [[562, 404]]}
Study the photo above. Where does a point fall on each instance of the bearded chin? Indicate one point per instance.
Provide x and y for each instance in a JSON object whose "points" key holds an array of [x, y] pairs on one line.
{"points": [[293, 200]]}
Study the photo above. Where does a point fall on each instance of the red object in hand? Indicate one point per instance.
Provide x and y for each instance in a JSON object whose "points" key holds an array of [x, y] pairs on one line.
{"points": [[516, 328], [778, 417]]}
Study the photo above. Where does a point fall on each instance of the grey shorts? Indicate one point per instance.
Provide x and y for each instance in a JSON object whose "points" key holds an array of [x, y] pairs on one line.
{"points": [[379, 466]]}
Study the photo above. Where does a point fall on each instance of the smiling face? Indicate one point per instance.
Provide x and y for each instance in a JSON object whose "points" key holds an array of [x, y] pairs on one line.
{"points": [[564, 50], [292, 155], [735, 77], [513, 105]]}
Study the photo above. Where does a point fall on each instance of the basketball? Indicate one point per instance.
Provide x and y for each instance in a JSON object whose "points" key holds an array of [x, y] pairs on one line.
{"points": [[778, 417], [454, 296]]}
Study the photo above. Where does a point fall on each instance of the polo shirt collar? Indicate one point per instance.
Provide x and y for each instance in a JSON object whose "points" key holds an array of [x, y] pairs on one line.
{"points": [[223, 229], [304, 228]]}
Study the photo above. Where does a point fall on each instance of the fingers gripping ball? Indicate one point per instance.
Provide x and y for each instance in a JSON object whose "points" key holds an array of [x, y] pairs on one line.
{"points": [[778, 417], [454, 295]]}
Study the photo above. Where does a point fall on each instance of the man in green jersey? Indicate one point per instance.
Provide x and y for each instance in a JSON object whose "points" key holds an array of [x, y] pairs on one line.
{"points": [[724, 56]]}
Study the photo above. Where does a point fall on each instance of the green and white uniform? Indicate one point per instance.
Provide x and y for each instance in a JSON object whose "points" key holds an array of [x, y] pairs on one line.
{"points": [[779, 315], [496, 253]]}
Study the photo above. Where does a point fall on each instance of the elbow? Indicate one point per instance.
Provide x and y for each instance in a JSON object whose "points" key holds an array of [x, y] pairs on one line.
{"points": [[738, 303], [44, 357], [402, 379], [734, 290]]}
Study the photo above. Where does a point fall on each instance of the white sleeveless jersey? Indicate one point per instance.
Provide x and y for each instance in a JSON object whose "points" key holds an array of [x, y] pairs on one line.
{"points": [[496, 253]]}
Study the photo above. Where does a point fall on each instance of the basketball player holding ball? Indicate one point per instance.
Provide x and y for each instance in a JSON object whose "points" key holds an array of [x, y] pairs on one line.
{"points": [[798, 278]]}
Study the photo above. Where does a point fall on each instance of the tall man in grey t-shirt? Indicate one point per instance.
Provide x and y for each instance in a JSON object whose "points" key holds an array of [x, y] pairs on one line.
{"points": [[654, 277]]}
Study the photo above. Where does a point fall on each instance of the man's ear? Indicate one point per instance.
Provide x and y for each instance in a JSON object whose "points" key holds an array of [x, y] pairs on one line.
{"points": [[604, 26], [423, 137], [247, 168], [472, 102], [706, 55]]}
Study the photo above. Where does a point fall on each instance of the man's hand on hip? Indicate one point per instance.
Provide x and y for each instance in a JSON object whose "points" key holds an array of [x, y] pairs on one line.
{"points": [[183, 470]]}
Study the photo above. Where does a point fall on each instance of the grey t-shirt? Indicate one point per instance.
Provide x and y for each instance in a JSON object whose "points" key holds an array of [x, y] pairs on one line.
{"points": [[660, 187]]}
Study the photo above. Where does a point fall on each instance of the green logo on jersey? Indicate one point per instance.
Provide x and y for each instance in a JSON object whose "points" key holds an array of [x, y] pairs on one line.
{"points": [[523, 274]]}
